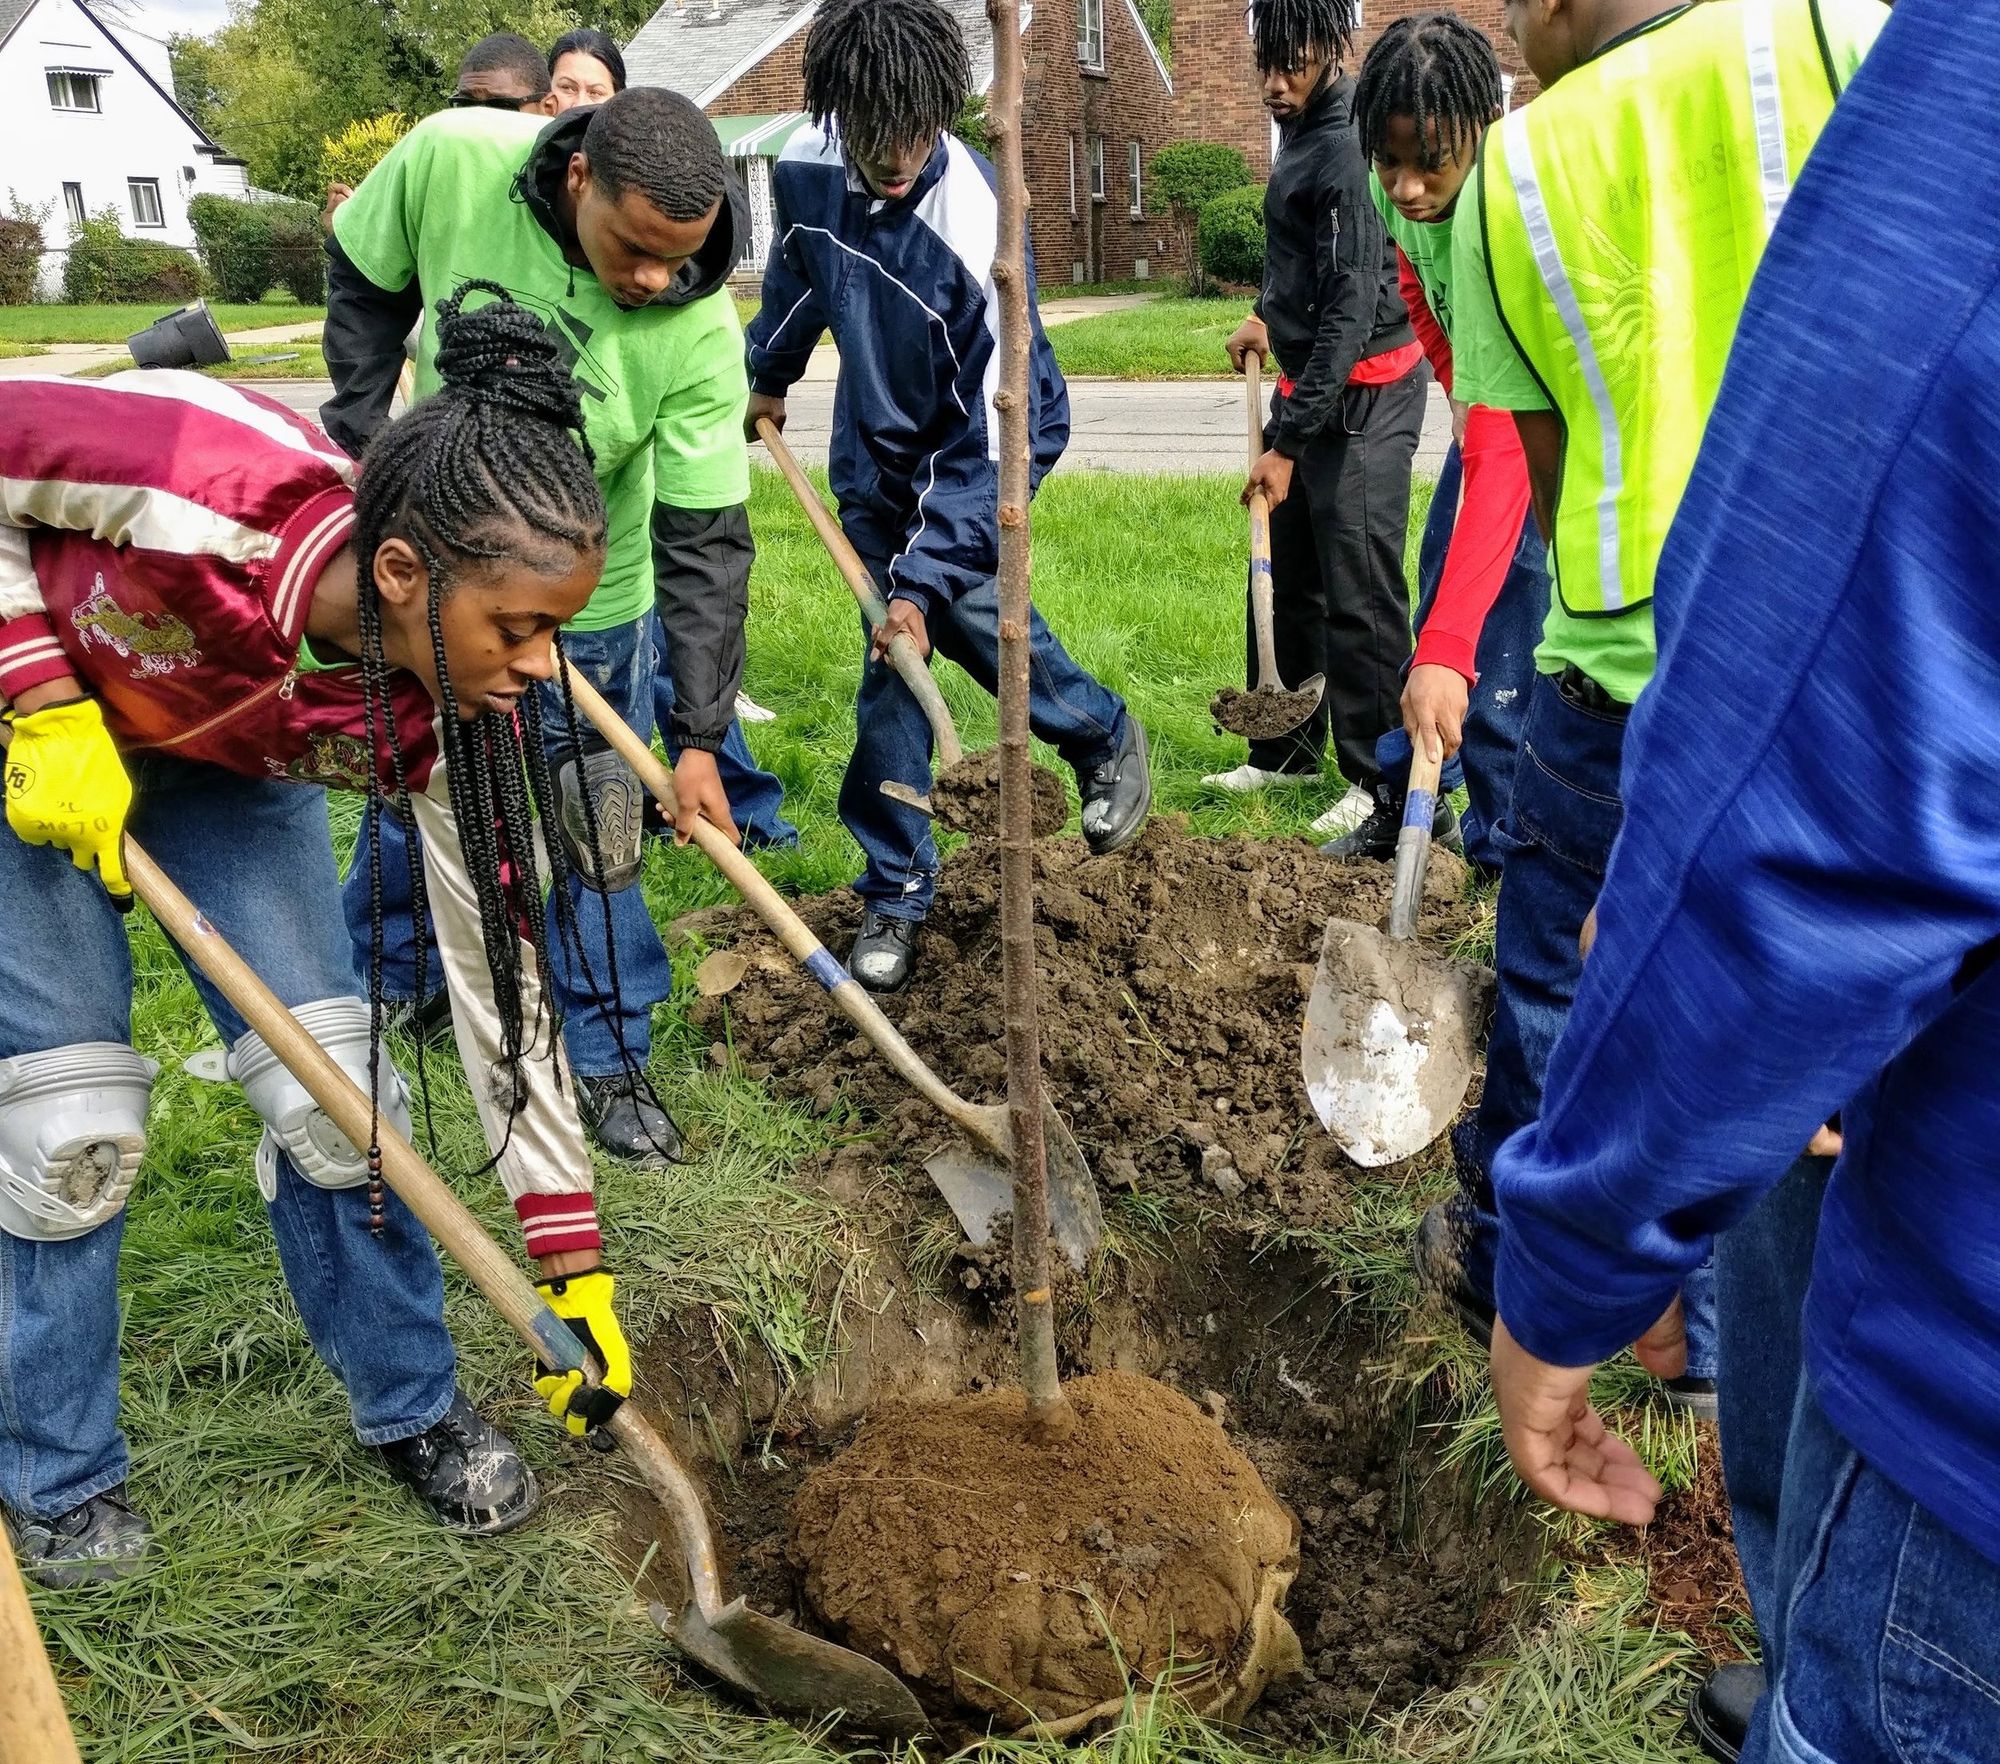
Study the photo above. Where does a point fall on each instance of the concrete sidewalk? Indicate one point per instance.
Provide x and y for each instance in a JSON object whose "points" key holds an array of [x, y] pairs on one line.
{"points": [[1115, 425]]}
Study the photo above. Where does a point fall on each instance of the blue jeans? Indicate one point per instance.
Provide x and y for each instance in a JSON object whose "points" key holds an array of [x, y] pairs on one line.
{"points": [[1498, 706], [1083, 720], [257, 858], [1763, 1265], [1555, 843], [1889, 1649], [620, 663], [756, 797]]}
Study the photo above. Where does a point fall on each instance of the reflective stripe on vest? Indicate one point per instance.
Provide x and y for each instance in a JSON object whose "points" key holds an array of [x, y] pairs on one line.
{"points": [[1626, 210]]}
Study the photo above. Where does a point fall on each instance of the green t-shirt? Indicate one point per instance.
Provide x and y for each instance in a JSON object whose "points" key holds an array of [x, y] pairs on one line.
{"points": [[663, 387], [1486, 368], [1427, 244]]}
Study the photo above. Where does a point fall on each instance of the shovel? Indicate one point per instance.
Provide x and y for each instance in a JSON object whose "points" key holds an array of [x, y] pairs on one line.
{"points": [[777, 1665], [974, 804], [33, 1727], [1390, 1029], [976, 1181], [1271, 709]]}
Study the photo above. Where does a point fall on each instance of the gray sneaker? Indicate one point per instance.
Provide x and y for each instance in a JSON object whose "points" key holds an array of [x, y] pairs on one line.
{"points": [[104, 1539]]}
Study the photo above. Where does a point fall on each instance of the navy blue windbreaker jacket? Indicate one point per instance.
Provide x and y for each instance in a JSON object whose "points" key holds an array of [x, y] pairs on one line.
{"points": [[906, 287]]}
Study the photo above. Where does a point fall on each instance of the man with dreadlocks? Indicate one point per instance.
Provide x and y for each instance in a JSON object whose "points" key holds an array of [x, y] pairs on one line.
{"points": [[1427, 94], [1345, 421], [885, 234], [201, 610], [617, 224]]}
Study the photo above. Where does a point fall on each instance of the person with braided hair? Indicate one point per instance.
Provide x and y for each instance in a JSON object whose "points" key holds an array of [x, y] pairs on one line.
{"points": [[617, 224], [1344, 423], [1427, 94], [203, 608], [885, 235]]}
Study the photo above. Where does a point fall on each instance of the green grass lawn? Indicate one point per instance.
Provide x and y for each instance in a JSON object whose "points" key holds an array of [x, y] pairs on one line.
{"points": [[113, 324], [1173, 339], [302, 1611], [303, 362]]}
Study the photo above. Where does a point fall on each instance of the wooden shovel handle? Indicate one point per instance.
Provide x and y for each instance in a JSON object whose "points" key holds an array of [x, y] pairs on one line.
{"points": [[903, 656], [1253, 390], [33, 1727], [1413, 844], [442, 1213]]}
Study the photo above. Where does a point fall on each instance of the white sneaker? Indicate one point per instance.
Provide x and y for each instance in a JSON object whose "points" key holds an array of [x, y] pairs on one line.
{"points": [[1245, 779], [748, 710], [1345, 815]]}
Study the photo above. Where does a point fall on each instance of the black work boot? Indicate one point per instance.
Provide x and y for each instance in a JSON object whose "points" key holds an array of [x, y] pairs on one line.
{"points": [[885, 950], [1117, 793], [103, 1539], [625, 1118], [429, 1020], [1719, 1711], [1376, 836], [466, 1471]]}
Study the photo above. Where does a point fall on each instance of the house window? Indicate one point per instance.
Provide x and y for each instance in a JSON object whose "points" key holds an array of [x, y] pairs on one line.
{"points": [[1090, 34], [1138, 192], [145, 195], [1097, 168], [73, 203], [69, 90]]}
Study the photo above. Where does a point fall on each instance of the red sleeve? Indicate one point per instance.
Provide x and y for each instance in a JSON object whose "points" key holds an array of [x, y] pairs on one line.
{"points": [[1437, 346], [1493, 506]]}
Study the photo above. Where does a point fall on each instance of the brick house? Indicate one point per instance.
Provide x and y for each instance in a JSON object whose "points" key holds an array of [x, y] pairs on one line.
{"points": [[1099, 104], [1218, 94]]}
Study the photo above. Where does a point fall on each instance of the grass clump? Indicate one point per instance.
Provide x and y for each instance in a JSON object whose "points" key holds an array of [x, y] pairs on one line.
{"points": [[1172, 339]]}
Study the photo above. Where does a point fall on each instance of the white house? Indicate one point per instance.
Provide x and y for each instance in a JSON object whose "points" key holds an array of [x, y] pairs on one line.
{"points": [[88, 121]]}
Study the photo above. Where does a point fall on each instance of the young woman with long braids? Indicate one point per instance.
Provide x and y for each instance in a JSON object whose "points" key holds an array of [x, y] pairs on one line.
{"points": [[202, 608]]}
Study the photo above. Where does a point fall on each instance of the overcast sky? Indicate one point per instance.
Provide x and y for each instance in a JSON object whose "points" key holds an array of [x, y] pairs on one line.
{"points": [[161, 18]]}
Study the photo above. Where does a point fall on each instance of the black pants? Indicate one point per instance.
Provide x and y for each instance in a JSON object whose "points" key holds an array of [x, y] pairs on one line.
{"points": [[1342, 605]]}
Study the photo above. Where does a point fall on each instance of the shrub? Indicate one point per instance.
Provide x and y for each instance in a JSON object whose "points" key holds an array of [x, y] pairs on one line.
{"points": [[105, 266], [348, 157], [1185, 176], [298, 251], [971, 126], [235, 241], [1231, 235], [20, 260]]}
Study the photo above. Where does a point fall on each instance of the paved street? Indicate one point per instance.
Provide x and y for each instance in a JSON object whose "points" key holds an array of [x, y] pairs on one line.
{"points": [[1117, 425]]}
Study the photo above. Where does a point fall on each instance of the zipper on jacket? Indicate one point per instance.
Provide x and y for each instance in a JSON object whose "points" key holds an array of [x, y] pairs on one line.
{"points": [[283, 688]]}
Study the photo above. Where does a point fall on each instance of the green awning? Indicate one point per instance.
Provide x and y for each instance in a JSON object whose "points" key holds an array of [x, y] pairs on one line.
{"points": [[757, 137]]}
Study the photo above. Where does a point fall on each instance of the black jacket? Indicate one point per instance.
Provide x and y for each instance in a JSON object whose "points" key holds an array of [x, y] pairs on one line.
{"points": [[1330, 295], [701, 557]]}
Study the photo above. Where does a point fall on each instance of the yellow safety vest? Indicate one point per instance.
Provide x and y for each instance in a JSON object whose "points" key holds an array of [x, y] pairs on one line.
{"points": [[1626, 210]]}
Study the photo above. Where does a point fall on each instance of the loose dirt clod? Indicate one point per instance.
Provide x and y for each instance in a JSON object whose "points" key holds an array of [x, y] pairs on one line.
{"points": [[1019, 1580], [1174, 977], [966, 797], [1262, 716]]}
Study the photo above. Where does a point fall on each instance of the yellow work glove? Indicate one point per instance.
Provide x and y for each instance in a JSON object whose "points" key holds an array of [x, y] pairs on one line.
{"points": [[583, 1301], [66, 786]]}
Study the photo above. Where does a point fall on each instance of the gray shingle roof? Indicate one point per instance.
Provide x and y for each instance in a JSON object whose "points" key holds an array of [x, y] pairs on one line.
{"points": [[701, 46], [11, 14]]}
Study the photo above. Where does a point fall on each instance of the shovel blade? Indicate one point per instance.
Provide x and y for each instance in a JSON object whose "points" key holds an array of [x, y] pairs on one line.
{"points": [[1388, 1044], [793, 1673], [980, 1189]]}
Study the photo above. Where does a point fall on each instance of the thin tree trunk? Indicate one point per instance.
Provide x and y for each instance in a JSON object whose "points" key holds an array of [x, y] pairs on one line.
{"points": [[1033, 1299]]}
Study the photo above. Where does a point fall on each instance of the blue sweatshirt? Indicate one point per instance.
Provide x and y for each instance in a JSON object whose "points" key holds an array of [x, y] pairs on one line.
{"points": [[1802, 912], [907, 289]]}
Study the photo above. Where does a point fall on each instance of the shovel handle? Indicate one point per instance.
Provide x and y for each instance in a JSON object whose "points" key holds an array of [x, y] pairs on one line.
{"points": [[33, 1727], [1253, 393], [420, 1187], [1413, 844], [741, 874], [1261, 613], [903, 656]]}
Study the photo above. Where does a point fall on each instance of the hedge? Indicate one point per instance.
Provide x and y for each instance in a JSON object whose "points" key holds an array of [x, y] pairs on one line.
{"points": [[250, 247], [1186, 176], [106, 267], [20, 260], [1232, 235]]}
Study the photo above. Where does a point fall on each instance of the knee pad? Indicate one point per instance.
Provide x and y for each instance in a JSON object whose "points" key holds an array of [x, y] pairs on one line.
{"points": [[72, 1132], [294, 1125], [621, 818]]}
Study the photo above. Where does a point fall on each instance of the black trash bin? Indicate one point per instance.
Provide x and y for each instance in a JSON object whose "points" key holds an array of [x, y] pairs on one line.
{"points": [[185, 339]]}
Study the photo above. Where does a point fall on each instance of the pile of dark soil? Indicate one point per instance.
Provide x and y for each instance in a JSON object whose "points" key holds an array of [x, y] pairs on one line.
{"points": [[1014, 1579], [966, 798], [1174, 976], [1262, 716]]}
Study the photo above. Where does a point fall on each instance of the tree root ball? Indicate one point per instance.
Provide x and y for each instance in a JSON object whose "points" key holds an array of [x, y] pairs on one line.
{"points": [[1025, 1582], [966, 797]]}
